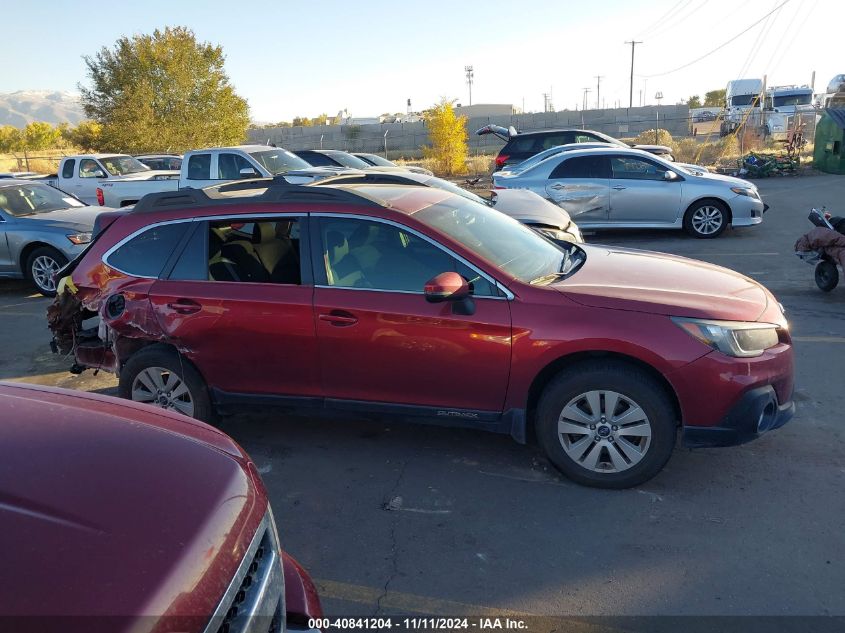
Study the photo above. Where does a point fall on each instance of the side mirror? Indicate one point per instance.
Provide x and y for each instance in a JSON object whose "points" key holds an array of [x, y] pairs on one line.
{"points": [[248, 172], [446, 287], [99, 173], [670, 175]]}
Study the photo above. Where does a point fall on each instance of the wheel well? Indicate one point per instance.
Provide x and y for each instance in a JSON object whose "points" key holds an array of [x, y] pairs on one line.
{"points": [[710, 199], [567, 362], [27, 251]]}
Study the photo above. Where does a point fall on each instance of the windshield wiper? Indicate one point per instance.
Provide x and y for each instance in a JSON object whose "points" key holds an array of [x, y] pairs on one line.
{"points": [[547, 279]]}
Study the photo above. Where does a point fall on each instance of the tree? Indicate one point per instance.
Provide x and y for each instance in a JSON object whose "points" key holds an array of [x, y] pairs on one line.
{"points": [[303, 121], [10, 139], [448, 138], [87, 136], [694, 101], [164, 91], [39, 135], [714, 98]]}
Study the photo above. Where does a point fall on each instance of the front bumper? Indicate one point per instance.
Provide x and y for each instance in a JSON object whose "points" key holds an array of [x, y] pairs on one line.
{"points": [[757, 412], [747, 211]]}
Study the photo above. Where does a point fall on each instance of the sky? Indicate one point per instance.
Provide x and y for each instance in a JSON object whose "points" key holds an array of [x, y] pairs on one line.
{"points": [[290, 58]]}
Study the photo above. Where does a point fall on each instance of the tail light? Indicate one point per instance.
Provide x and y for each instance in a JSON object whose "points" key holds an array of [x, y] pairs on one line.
{"points": [[500, 160], [100, 198]]}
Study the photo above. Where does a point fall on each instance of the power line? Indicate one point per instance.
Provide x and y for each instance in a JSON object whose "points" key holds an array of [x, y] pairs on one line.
{"points": [[662, 18], [721, 46], [669, 27]]}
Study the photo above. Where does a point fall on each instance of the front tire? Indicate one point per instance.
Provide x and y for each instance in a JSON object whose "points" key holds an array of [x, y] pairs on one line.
{"points": [[706, 219], [41, 265], [606, 425], [162, 378]]}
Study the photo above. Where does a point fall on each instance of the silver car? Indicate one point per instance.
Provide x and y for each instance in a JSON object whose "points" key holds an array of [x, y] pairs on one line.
{"points": [[41, 229], [627, 188]]}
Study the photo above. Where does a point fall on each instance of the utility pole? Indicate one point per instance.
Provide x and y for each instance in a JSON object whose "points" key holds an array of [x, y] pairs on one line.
{"points": [[586, 92], [633, 44], [598, 91], [470, 74]]}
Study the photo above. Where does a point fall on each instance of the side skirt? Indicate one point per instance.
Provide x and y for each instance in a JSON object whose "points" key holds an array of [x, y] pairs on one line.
{"points": [[511, 422]]}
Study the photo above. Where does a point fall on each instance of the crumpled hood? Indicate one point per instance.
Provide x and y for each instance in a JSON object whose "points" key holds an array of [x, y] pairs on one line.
{"points": [[108, 507], [658, 283]]}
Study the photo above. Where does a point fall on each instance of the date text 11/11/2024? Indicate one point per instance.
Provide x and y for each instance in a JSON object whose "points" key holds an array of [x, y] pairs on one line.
{"points": [[419, 624]]}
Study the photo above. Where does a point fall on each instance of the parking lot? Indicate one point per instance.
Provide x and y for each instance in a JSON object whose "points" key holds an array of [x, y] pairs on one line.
{"points": [[394, 518]]}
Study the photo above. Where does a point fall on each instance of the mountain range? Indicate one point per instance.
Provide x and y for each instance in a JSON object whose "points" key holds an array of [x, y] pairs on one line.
{"points": [[25, 106]]}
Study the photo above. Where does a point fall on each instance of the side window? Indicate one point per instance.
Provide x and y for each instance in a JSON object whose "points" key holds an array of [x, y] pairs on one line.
{"points": [[553, 140], [67, 169], [632, 168], [146, 254], [90, 169], [199, 167], [365, 254], [317, 160], [585, 138], [260, 251], [229, 166], [582, 167]]}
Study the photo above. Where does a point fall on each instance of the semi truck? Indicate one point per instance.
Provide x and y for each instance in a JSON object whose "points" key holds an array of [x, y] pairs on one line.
{"points": [[742, 100]]}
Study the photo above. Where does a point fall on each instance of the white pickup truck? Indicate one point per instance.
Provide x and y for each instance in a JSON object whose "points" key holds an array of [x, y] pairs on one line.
{"points": [[83, 174], [213, 166]]}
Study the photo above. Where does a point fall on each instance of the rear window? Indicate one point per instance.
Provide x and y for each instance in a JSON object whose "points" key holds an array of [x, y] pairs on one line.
{"points": [[146, 254], [521, 145]]}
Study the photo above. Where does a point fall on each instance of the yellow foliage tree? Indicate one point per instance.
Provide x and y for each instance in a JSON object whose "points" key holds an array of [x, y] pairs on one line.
{"points": [[448, 135]]}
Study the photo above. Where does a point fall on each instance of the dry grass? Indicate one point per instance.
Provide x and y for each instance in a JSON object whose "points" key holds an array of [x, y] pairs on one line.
{"points": [[43, 162]]}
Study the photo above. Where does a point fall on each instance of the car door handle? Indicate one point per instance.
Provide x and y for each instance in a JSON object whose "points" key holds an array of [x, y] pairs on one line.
{"points": [[618, 187], [558, 186], [185, 306], [339, 318]]}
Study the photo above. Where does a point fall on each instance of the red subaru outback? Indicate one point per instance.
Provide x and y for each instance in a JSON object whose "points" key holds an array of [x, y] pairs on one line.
{"points": [[417, 303]]}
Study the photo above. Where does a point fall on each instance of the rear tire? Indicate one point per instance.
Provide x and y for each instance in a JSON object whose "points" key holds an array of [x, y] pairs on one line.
{"points": [[706, 219], [575, 425], [827, 276], [41, 265], [162, 378]]}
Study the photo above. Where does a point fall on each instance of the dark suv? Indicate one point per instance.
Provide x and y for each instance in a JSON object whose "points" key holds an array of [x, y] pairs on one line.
{"points": [[414, 302], [520, 146]]}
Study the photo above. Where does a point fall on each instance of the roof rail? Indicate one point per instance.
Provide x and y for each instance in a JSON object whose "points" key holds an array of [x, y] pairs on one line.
{"points": [[275, 190]]}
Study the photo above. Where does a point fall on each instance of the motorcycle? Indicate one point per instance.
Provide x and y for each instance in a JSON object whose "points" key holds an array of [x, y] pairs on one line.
{"points": [[826, 265]]}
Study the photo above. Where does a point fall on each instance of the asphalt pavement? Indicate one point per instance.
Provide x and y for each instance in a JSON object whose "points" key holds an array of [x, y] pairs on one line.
{"points": [[396, 518]]}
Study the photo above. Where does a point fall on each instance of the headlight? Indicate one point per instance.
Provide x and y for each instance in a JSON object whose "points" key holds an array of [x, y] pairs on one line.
{"points": [[746, 191], [734, 338], [79, 238]]}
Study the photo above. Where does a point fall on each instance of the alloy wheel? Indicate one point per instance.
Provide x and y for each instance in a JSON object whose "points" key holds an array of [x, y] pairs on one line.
{"points": [[707, 219], [604, 431], [43, 269], [163, 388]]}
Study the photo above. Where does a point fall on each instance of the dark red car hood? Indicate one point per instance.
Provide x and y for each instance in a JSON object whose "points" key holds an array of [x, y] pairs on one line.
{"points": [[112, 508], [658, 283]]}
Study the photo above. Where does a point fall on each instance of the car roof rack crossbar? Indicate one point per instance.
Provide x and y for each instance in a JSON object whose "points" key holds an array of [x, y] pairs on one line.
{"points": [[275, 190]]}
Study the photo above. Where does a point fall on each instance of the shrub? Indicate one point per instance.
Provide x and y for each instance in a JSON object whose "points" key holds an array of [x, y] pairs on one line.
{"points": [[654, 137], [448, 139]]}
